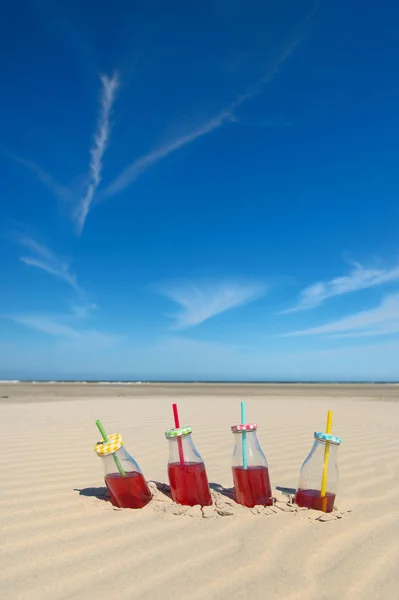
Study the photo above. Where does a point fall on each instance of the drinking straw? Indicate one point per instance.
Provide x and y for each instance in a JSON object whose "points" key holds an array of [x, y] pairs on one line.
{"points": [[179, 440], [244, 437], [106, 439], [326, 457]]}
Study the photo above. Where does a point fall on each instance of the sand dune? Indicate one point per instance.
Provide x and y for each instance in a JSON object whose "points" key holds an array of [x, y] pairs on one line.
{"points": [[61, 539]]}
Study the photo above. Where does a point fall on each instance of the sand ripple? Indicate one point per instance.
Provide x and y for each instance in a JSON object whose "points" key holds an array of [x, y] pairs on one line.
{"points": [[61, 538]]}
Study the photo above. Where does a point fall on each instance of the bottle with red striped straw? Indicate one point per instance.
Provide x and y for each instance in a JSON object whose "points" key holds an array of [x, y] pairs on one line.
{"points": [[186, 469], [250, 470]]}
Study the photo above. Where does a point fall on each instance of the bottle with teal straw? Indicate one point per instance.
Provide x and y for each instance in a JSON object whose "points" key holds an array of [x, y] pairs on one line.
{"points": [[122, 474], [250, 470]]}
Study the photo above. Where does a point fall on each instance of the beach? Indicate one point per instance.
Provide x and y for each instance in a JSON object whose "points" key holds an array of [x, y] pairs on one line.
{"points": [[62, 539]]}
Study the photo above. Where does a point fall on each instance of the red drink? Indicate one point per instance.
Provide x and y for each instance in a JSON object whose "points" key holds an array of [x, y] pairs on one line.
{"points": [[312, 499], [128, 492], [252, 486], [109, 496], [189, 484]]}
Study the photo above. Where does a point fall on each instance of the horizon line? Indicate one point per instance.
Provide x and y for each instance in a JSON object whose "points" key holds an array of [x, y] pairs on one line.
{"points": [[208, 381]]}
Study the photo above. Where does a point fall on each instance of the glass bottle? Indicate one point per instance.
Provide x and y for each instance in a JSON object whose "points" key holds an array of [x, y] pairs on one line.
{"points": [[186, 470], [122, 475], [318, 479], [250, 469]]}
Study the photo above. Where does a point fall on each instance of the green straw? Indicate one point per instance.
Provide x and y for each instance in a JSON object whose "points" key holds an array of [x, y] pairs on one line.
{"points": [[244, 437], [106, 439]]}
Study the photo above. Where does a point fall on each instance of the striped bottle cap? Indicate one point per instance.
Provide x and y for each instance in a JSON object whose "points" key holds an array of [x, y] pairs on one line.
{"points": [[245, 427], [114, 443], [327, 437], [173, 433]]}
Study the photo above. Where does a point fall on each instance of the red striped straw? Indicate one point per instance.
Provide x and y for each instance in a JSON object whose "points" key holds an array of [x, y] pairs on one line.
{"points": [[179, 440]]}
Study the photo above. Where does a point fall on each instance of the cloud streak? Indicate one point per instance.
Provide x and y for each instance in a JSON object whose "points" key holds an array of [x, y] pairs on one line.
{"points": [[359, 278], [46, 324], [64, 326], [200, 303], [109, 89], [132, 171], [43, 258], [43, 176], [382, 320]]}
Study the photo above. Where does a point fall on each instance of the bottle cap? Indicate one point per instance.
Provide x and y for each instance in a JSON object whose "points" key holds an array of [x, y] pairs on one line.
{"points": [[327, 437], [114, 443], [245, 427], [173, 433]]}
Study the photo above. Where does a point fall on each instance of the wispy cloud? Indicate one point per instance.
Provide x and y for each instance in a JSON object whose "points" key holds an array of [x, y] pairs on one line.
{"points": [[46, 324], [359, 278], [109, 89], [130, 173], [66, 326], [108, 94], [382, 320], [199, 303], [43, 258], [60, 191], [84, 310]]}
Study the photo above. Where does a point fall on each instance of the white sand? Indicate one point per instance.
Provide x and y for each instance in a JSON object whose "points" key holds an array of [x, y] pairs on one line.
{"points": [[59, 543]]}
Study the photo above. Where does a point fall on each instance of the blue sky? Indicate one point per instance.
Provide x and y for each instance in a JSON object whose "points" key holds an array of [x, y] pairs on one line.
{"points": [[199, 190]]}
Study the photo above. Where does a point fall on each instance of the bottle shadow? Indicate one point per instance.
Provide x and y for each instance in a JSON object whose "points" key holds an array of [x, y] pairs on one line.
{"points": [[220, 489], [286, 491], [162, 488], [101, 493]]}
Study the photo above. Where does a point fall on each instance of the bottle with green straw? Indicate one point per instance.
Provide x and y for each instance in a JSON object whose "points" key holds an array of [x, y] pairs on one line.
{"points": [[250, 470], [122, 474]]}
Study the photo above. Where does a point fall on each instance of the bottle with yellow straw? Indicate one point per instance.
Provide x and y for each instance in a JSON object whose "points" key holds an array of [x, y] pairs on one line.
{"points": [[318, 479]]}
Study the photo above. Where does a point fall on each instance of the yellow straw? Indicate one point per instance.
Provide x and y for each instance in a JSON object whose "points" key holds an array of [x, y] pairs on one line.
{"points": [[326, 456]]}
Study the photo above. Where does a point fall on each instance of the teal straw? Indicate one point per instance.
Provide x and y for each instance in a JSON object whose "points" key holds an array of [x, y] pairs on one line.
{"points": [[244, 437]]}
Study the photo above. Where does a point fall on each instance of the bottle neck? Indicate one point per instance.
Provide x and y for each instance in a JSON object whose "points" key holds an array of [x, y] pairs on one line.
{"points": [[250, 436], [320, 470], [182, 449], [319, 447], [124, 460], [247, 450]]}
